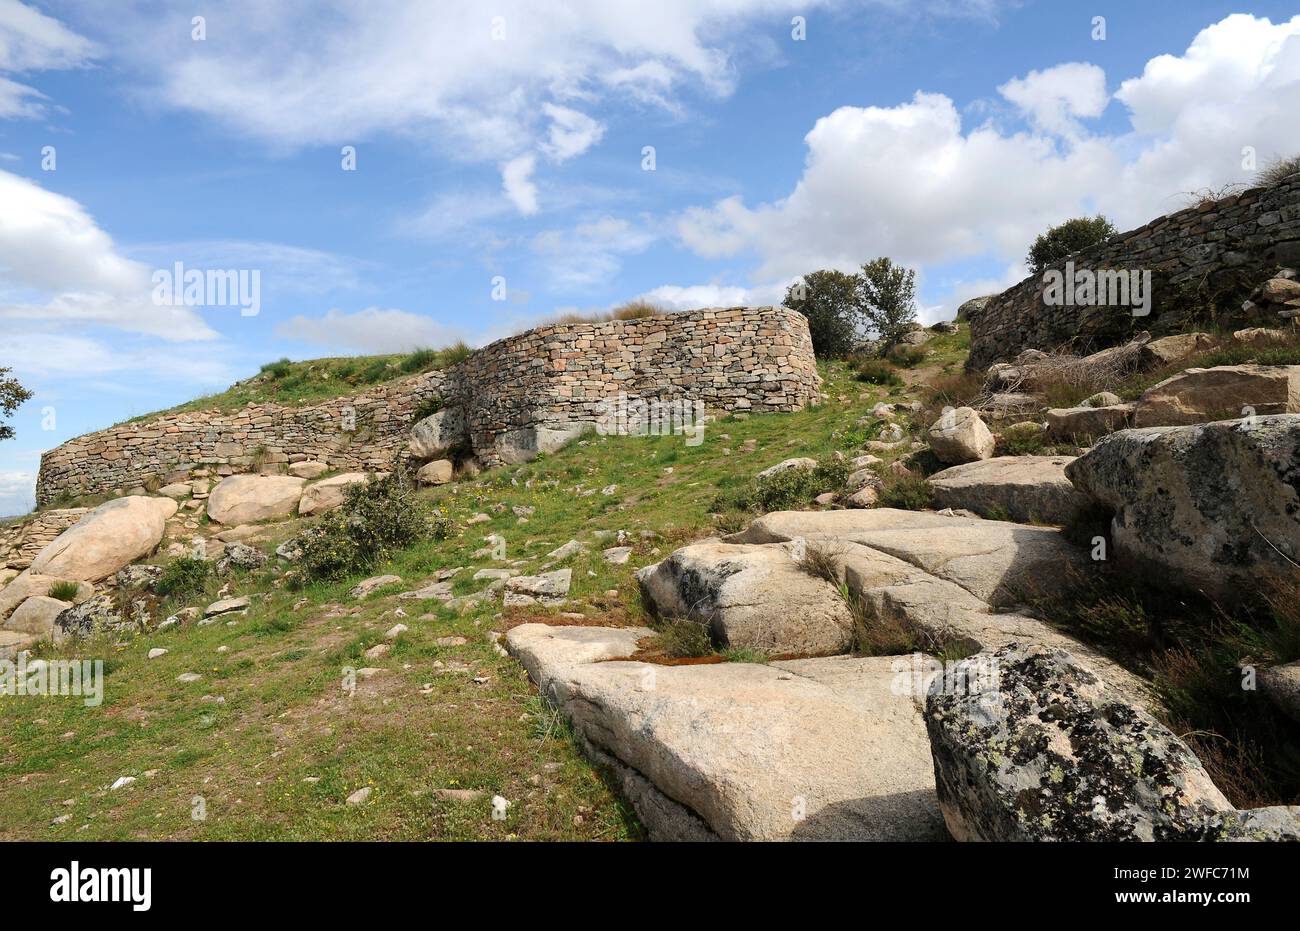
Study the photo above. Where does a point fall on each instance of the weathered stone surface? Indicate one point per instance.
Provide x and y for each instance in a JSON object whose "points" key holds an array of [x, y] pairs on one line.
{"points": [[1019, 488], [1029, 745], [1260, 337], [1171, 349], [1215, 505], [241, 556], [106, 539], [1282, 686], [245, 499], [1074, 424], [327, 494], [308, 469], [960, 436], [784, 465], [226, 606], [548, 588], [751, 597], [855, 526], [363, 588], [1225, 392], [89, 617], [440, 433], [821, 749], [437, 472], [37, 615], [29, 584]]}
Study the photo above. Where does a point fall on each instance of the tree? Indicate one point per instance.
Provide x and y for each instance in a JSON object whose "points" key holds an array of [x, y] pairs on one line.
{"points": [[1067, 238], [887, 295], [829, 299], [12, 394]]}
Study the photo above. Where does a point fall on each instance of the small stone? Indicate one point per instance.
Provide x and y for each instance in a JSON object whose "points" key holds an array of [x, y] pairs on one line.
{"points": [[188, 677], [157, 652], [359, 797]]}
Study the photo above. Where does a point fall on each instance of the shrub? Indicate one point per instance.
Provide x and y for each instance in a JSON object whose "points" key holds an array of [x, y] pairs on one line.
{"points": [[636, 310], [1023, 440], [1067, 238], [907, 356], [785, 490], [427, 408], [183, 576], [12, 394], [278, 369], [419, 360], [377, 518], [683, 639], [456, 353], [878, 372], [906, 492], [63, 591], [830, 302]]}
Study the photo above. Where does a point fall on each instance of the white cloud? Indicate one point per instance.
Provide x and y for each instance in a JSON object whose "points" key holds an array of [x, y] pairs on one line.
{"points": [[589, 253], [57, 264], [42, 354], [517, 183], [31, 41], [1054, 99], [571, 133], [373, 330], [913, 183]]}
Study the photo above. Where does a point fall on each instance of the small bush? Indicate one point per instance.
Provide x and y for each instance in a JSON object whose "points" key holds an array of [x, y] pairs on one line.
{"points": [[377, 518], [636, 310], [821, 563], [906, 492], [1067, 238], [1023, 440], [786, 490], [683, 639], [277, 369], [63, 591], [907, 356], [427, 408], [878, 372], [419, 360], [456, 353], [184, 576]]}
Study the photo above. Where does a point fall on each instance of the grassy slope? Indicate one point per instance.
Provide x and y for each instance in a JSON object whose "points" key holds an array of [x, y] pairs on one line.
{"points": [[311, 381], [286, 717]]}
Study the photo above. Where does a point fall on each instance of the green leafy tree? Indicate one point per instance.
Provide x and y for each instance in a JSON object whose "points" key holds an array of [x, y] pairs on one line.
{"points": [[887, 296], [12, 394], [1066, 239], [829, 299]]}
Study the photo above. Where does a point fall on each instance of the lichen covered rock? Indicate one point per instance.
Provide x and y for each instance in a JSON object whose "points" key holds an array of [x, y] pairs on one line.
{"points": [[1033, 746]]}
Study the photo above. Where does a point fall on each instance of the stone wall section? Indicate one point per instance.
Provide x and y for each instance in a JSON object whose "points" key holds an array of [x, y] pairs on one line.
{"points": [[1245, 237], [21, 541], [550, 378]]}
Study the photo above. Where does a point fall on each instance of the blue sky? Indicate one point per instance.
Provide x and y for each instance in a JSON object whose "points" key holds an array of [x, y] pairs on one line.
{"points": [[506, 139]]}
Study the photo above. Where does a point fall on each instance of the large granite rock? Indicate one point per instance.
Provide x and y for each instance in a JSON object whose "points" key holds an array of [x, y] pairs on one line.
{"points": [[960, 436], [30, 584], [1282, 686], [818, 749], [328, 494], [1019, 488], [438, 434], [1214, 506], [1086, 424], [114, 534], [246, 499], [1171, 349], [37, 615], [1225, 392], [1029, 745], [751, 597]]}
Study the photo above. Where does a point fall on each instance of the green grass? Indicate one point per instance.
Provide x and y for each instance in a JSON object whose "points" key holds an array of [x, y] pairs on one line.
{"points": [[295, 384]]}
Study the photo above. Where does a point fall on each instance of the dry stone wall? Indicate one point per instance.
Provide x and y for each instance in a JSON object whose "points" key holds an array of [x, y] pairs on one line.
{"points": [[21, 541], [550, 382], [357, 433], [1214, 252]]}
